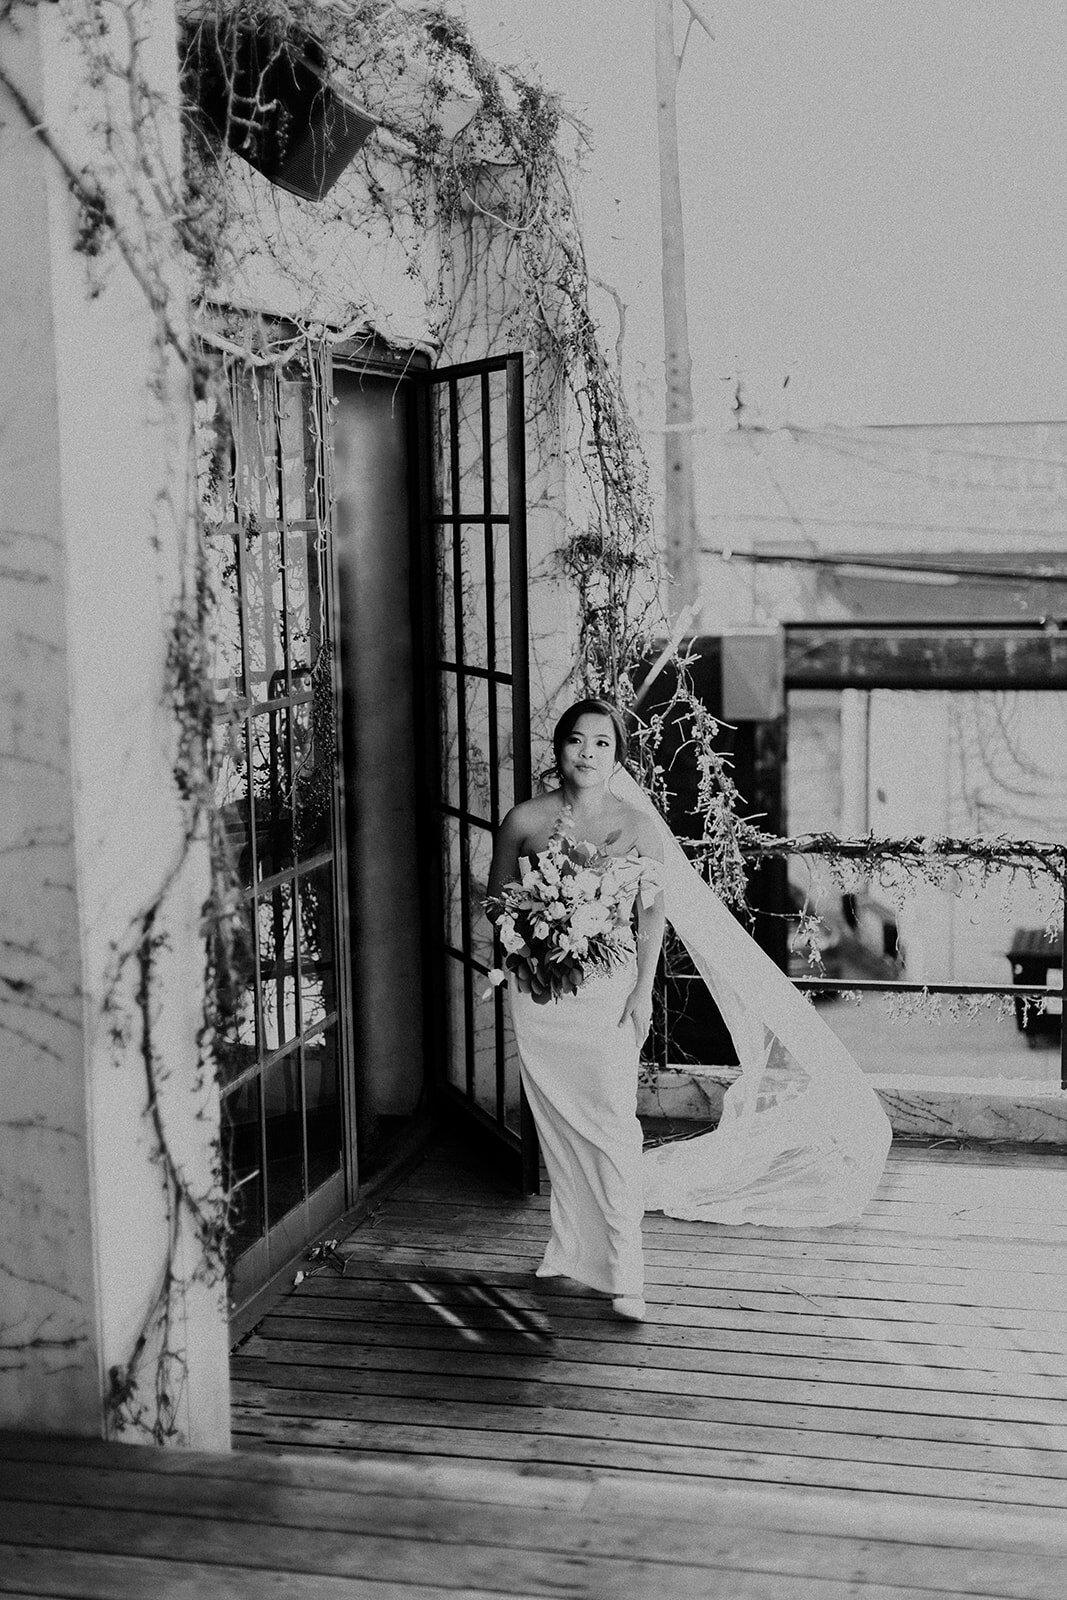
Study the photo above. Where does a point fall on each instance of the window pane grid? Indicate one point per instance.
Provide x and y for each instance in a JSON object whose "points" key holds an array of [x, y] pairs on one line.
{"points": [[487, 717], [287, 897]]}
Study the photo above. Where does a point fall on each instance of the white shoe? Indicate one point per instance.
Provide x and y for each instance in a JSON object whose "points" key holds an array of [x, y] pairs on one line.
{"points": [[630, 1306]]}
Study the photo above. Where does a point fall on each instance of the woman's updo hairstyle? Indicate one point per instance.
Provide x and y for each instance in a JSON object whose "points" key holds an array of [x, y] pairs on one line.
{"points": [[581, 708]]}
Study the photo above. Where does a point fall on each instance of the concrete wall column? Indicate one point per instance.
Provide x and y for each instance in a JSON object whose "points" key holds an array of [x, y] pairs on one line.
{"points": [[95, 478]]}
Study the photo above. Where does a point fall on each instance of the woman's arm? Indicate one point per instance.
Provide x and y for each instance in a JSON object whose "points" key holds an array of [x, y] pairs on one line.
{"points": [[507, 848], [651, 922]]}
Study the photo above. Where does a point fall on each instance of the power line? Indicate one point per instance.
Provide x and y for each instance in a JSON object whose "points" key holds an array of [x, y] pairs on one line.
{"points": [[874, 564]]}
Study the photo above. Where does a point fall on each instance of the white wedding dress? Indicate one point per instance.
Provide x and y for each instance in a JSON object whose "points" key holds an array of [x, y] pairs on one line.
{"points": [[579, 1069], [802, 1140]]}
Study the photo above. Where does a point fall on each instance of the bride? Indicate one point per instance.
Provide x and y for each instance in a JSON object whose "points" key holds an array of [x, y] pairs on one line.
{"points": [[802, 1139]]}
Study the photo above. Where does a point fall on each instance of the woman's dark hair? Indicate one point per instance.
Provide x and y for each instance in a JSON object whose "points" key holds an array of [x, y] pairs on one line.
{"points": [[598, 708]]}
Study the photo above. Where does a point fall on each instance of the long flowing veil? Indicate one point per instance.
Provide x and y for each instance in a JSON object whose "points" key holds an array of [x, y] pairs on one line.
{"points": [[803, 1137]]}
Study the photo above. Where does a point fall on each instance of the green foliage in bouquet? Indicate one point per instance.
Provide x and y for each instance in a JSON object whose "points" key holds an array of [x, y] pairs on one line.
{"points": [[570, 916]]}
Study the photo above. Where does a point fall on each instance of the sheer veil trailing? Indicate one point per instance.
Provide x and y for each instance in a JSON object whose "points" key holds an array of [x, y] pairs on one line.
{"points": [[803, 1137]]}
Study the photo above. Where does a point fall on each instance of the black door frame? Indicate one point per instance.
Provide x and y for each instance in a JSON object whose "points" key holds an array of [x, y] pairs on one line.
{"points": [[269, 1257], [515, 1148]]}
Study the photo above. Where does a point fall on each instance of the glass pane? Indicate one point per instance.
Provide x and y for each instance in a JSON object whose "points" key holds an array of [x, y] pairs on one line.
{"points": [[214, 463], [296, 432], [502, 597], [446, 595], [453, 899], [277, 965], [481, 855], [322, 1091], [283, 1107], [498, 454], [469, 433], [457, 1024], [272, 791], [442, 452], [479, 770], [318, 978], [232, 812], [242, 1173], [505, 758], [313, 755], [511, 1069], [484, 1046], [264, 613], [300, 562], [450, 786], [474, 643], [225, 626], [235, 961], [256, 432]]}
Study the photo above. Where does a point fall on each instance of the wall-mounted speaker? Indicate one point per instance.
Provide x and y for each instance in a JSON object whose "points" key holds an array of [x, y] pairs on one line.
{"points": [[268, 96]]}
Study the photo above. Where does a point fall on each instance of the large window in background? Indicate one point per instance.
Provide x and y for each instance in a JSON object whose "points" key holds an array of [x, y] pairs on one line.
{"points": [[902, 763], [281, 1052]]}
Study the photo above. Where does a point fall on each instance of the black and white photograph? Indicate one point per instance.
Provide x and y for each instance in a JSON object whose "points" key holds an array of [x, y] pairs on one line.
{"points": [[533, 799]]}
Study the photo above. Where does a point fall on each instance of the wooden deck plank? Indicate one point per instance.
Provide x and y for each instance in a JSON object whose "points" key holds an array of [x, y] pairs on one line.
{"points": [[483, 1306], [541, 1449], [660, 1287], [375, 1565], [996, 1287], [85, 1576], [941, 1285], [637, 1363], [755, 1248], [599, 1496], [59, 1574], [770, 1336], [648, 1539], [277, 1386], [768, 1436], [663, 1378], [378, 1297]]}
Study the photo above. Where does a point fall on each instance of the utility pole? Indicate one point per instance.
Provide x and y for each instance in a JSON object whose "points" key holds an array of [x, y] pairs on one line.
{"points": [[682, 543]]}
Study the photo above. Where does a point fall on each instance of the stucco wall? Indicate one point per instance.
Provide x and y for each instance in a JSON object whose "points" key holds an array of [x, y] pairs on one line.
{"points": [[95, 485]]}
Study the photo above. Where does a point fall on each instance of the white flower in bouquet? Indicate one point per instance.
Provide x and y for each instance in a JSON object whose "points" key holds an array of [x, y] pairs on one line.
{"points": [[570, 915]]}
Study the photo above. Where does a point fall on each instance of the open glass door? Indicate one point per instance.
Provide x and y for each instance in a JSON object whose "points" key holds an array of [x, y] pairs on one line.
{"points": [[283, 1049], [471, 592]]}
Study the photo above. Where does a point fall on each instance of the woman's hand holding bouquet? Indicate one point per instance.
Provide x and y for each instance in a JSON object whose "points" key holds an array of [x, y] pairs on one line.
{"points": [[570, 916]]}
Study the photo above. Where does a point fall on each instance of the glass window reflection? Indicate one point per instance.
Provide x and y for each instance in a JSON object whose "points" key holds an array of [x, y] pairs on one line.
{"points": [[242, 1164], [323, 1100], [283, 1105], [277, 965], [318, 985]]}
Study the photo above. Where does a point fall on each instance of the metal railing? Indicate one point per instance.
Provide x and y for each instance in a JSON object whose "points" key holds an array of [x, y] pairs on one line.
{"points": [[1043, 997]]}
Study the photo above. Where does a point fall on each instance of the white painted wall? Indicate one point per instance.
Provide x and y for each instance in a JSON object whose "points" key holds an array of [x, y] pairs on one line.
{"points": [[96, 494], [49, 1359]]}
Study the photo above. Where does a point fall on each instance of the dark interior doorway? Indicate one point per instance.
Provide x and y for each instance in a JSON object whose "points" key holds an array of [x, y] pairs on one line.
{"points": [[373, 544]]}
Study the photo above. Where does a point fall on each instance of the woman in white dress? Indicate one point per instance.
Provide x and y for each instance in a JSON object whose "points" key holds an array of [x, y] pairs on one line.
{"points": [[579, 1054], [802, 1139]]}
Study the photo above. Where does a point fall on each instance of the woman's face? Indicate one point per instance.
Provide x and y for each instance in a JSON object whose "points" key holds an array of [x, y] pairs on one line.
{"points": [[588, 754]]}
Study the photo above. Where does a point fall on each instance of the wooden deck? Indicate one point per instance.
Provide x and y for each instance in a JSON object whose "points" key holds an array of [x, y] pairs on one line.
{"points": [[876, 1412]]}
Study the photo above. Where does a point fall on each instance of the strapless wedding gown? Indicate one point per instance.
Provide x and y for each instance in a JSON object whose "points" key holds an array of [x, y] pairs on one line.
{"points": [[579, 1069]]}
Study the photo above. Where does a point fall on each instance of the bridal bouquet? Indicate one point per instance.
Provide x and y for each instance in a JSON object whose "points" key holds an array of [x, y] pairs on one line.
{"points": [[570, 916]]}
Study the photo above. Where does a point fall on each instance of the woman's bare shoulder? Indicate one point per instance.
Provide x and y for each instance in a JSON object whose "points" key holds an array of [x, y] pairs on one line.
{"points": [[530, 817], [642, 830]]}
